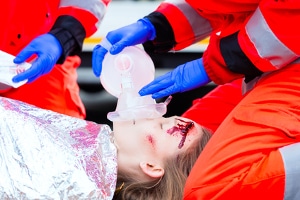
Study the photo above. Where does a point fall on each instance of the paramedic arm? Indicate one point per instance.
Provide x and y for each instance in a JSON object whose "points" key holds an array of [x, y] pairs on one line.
{"points": [[76, 21], [51, 48], [242, 157], [160, 31], [262, 43]]}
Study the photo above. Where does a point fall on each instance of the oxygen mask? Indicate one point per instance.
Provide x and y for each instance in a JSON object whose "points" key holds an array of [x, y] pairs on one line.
{"points": [[123, 75]]}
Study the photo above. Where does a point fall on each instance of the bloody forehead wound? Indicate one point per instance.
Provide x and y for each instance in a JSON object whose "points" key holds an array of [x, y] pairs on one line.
{"points": [[184, 128]]}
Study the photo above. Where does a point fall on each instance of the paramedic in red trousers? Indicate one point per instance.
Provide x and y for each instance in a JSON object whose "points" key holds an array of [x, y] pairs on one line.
{"points": [[53, 31], [246, 37]]}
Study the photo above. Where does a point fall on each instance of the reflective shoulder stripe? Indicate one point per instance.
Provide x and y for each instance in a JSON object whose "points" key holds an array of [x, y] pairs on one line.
{"points": [[265, 41], [297, 61], [96, 7], [291, 159], [201, 26]]}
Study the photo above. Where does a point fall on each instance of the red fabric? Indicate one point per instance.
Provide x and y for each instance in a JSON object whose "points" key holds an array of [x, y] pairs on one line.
{"points": [[214, 63], [230, 16], [87, 19], [282, 27], [281, 17], [211, 110], [21, 21], [242, 161], [247, 45], [226, 17], [184, 35]]}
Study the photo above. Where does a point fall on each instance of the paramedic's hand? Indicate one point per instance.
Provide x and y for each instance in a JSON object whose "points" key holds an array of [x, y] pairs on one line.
{"points": [[47, 49], [117, 40], [183, 78]]}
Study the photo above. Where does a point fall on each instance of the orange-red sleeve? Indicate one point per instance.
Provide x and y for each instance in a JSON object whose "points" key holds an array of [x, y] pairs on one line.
{"points": [[211, 110], [241, 161]]}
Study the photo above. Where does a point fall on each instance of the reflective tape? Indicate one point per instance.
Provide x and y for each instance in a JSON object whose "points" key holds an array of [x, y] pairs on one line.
{"points": [[96, 7], [291, 159], [297, 61], [201, 26], [266, 43]]}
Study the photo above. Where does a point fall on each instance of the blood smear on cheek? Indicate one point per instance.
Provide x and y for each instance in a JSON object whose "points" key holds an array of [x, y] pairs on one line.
{"points": [[151, 141]]}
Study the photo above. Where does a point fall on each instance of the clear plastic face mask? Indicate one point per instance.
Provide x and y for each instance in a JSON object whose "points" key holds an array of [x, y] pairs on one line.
{"points": [[123, 75]]}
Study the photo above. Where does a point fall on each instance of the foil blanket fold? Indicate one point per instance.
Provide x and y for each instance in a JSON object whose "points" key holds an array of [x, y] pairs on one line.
{"points": [[46, 155]]}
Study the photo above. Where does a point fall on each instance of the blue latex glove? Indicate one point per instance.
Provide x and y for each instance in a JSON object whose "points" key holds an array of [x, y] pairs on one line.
{"points": [[48, 51], [117, 40], [185, 77]]}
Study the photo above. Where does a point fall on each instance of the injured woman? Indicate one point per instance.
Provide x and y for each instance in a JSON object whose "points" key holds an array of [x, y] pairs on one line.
{"points": [[46, 155]]}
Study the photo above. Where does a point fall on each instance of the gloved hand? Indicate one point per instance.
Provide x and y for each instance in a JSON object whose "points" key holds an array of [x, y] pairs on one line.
{"points": [[117, 40], [185, 77], [48, 51]]}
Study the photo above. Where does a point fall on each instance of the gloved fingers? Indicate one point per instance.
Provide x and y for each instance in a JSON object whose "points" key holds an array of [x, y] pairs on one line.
{"points": [[118, 47], [97, 58], [165, 92], [26, 53], [35, 71], [105, 43], [157, 85], [130, 40], [31, 72], [114, 38], [33, 78]]}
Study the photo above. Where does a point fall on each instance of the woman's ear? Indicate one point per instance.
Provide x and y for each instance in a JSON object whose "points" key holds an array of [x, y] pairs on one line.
{"points": [[153, 170]]}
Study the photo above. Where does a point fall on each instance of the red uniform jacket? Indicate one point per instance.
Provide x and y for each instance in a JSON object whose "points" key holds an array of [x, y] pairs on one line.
{"points": [[248, 156], [245, 36], [211, 110]]}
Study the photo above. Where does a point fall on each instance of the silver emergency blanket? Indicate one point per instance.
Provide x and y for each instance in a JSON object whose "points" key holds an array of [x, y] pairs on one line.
{"points": [[46, 155]]}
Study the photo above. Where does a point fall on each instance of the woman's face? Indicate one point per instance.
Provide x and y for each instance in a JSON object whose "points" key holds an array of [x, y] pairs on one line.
{"points": [[153, 139]]}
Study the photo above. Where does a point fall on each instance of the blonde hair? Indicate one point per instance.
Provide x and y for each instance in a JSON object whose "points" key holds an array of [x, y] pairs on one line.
{"points": [[168, 187]]}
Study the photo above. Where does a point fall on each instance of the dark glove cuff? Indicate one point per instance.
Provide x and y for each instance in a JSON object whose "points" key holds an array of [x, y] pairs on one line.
{"points": [[235, 58], [70, 34], [165, 39]]}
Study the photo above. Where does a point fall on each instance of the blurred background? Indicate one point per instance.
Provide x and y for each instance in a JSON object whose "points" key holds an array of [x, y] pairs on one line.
{"points": [[121, 13]]}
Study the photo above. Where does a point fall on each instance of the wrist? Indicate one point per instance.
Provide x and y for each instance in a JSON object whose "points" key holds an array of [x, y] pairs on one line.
{"points": [[66, 42], [236, 60], [70, 34], [202, 72], [150, 28]]}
